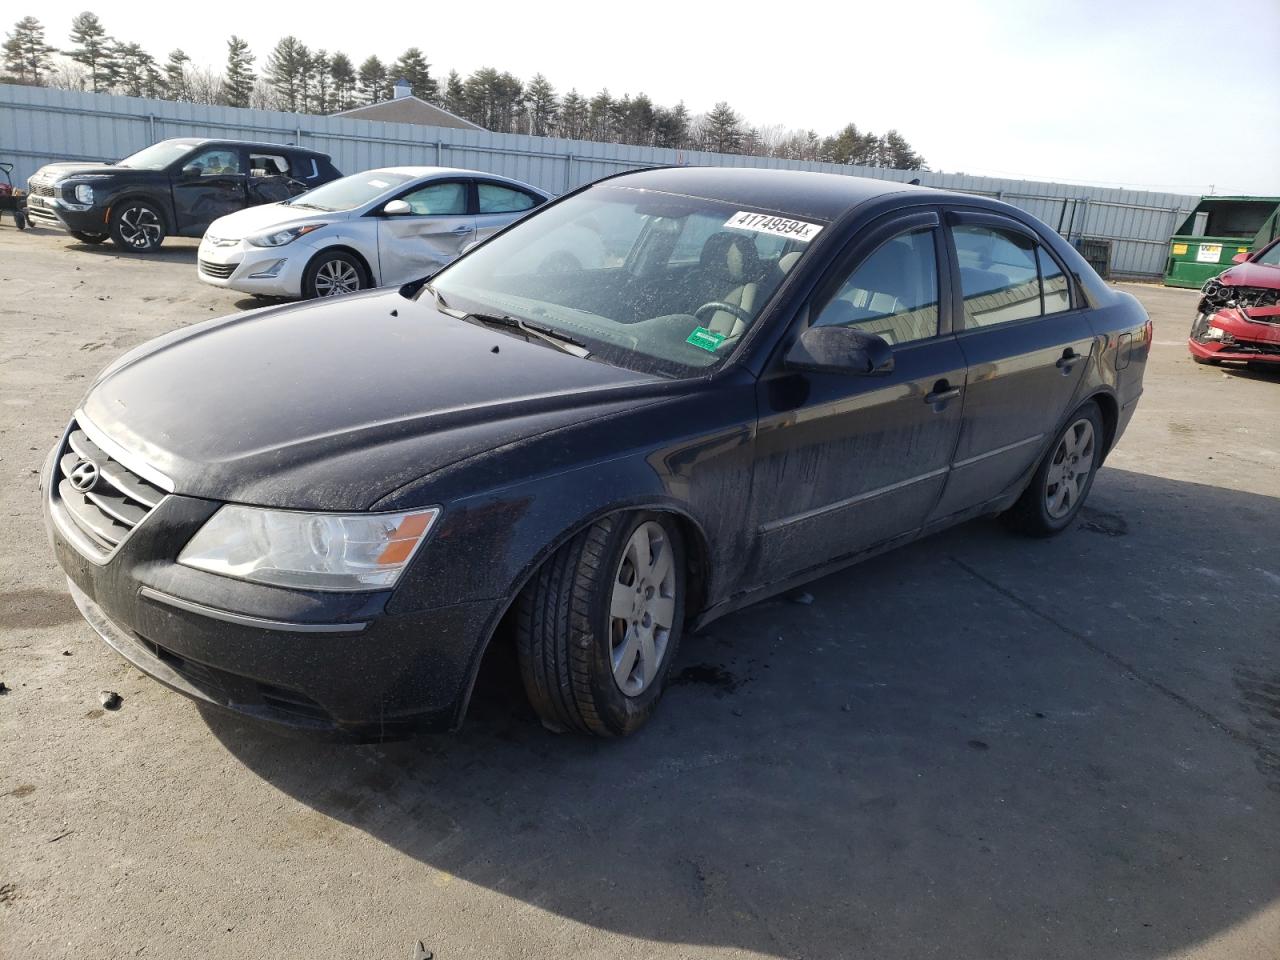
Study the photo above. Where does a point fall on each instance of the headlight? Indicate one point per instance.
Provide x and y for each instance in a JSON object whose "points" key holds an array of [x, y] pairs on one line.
{"points": [[84, 193], [312, 551], [278, 238]]}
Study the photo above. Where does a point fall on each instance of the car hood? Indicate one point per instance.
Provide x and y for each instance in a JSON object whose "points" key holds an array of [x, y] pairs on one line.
{"points": [[60, 171], [252, 220], [332, 405], [1252, 275]]}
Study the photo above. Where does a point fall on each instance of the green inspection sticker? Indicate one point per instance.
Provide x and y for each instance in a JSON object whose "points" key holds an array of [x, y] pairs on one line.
{"points": [[704, 339]]}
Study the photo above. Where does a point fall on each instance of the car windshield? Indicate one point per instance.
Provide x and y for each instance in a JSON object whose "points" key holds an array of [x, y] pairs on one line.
{"points": [[654, 282], [350, 192], [158, 155]]}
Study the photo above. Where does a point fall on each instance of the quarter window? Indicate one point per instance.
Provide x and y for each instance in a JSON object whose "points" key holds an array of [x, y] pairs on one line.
{"points": [[267, 165], [438, 199], [1056, 295], [892, 293], [499, 199]]}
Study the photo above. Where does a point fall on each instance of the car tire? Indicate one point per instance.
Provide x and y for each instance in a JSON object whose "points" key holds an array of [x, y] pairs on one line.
{"points": [[594, 654], [333, 273], [1064, 477], [88, 237], [137, 226]]}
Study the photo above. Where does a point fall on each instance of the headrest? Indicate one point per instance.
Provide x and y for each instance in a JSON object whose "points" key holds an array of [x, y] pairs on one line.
{"points": [[731, 255]]}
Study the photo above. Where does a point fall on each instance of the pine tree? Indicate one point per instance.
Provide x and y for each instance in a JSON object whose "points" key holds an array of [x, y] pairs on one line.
{"points": [[26, 55], [540, 96], [238, 83], [176, 86], [454, 99], [599, 117], [93, 50], [320, 82], [413, 66], [136, 73], [895, 152], [373, 81], [671, 127], [286, 68], [573, 116], [722, 130], [343, 78]]}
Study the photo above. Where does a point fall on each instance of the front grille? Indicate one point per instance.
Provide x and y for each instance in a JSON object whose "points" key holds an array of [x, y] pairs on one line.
{"points": [[219, 271], [104, 498], [40, 188]]}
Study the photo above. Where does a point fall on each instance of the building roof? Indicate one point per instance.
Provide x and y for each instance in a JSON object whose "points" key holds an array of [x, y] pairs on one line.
{"points": [[409, 109]]}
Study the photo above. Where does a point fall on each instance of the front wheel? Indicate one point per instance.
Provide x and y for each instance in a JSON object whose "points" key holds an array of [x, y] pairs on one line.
{"points": [[333, 274], [599, 624], [137, 227], [1063, 480]]}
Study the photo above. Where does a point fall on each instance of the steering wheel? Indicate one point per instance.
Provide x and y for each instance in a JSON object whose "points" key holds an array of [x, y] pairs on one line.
{"points": [[738, 312]]}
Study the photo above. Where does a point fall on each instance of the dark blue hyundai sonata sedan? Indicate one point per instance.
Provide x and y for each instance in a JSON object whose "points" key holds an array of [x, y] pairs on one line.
{"points": [[658, 399]]}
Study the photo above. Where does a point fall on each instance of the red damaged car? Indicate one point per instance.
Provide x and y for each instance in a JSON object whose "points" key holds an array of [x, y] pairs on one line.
{"points": [[1239, 314]]}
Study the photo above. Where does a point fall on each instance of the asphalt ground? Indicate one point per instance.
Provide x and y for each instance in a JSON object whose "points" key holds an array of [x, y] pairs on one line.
{"points": [[979, 746]]}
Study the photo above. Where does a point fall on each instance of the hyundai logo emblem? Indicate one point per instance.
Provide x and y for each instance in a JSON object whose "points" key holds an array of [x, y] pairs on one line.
{"points": [[84, 476]]}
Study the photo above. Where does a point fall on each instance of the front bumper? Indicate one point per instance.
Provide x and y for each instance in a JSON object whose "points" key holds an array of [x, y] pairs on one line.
{"points": [[58, 214], [1242, 339], [333, 665], [265, 271]]}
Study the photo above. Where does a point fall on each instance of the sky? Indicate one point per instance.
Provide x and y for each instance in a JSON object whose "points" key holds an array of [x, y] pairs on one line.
{"points": [[1170, 95]]}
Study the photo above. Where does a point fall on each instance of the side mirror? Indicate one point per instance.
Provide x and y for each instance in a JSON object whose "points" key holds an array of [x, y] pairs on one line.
{"points": [[396, 208], [191, 172], [840, 350], [1240, 258]]}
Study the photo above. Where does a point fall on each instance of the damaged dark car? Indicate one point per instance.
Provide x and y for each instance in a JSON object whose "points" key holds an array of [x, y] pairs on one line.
{"points": [[322, 515], [1238, 318]]}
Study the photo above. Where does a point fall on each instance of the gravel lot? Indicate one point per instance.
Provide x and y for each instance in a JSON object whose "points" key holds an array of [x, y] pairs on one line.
{"points": [[977, 747]]}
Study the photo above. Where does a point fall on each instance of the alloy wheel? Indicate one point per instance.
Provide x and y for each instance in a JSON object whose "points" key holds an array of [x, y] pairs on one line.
{"points": [[336, 277], [1069, 469], [642, 609], [140, 228]]}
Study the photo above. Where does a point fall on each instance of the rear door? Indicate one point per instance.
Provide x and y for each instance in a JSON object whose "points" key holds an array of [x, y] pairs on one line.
{"points": [[846, 462], [1027, 343], [414, 245], [498, 204], [217, 189]]}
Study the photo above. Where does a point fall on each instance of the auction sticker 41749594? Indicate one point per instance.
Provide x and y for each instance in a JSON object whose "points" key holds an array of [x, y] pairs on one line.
{"points": [[777, 226]]}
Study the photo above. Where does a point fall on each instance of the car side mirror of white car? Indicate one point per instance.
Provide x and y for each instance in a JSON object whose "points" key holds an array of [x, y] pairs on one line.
{"points": [[396, 208]]}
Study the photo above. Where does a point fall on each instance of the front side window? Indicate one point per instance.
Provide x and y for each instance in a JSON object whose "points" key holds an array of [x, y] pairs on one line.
{"points": [[438, 199], [1272, 257], [893, 293], [998, 275], [217, 163], [495, 198], [653, 282]]}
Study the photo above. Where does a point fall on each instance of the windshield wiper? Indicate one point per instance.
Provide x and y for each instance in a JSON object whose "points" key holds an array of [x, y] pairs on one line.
{"points": [[546, 334], [307, 206]]}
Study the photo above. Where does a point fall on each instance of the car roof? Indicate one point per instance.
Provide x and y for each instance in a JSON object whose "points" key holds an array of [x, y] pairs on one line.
{"points": [[201, 141], [447, 171], [797, 193]]}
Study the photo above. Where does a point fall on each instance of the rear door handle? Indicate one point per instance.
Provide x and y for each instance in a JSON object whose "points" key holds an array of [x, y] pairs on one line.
{"points": [[1065, 361], [941, 393]]}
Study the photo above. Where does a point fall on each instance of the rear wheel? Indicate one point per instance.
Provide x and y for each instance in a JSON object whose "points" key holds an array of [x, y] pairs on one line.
{"points": [[137, 227], [598, 626], [332, 274], [88, 237], [1063, 480]]}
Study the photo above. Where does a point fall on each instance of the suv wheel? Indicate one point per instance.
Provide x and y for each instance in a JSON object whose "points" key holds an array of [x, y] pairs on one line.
{"points": [[599, 625], [333, 274], [137, 226], [1063, 480]]}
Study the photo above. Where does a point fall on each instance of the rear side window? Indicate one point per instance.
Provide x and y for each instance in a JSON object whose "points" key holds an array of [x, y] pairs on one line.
{"points": [[498, 199], [268, 165], [438, 199], [998, 275], [892, 293]]}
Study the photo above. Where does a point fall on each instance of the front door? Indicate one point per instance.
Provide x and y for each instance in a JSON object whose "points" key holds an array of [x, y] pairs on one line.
{"points": [[413, 245], [846, 462], [208, 185], [1026, 343]]}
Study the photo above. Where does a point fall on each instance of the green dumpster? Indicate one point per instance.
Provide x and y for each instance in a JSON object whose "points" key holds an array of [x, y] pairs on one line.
{"points": [[1218, 229]]}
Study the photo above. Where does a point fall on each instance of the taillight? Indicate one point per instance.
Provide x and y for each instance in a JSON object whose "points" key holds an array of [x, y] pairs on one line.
{"points": [[1148, 332]]}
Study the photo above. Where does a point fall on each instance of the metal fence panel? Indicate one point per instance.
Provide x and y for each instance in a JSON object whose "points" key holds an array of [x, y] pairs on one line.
{"points": [[39, 125]]}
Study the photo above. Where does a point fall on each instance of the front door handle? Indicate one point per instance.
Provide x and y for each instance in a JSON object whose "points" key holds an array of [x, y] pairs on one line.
{"points": [[461, 230], [941, 393], [1065, 361]]}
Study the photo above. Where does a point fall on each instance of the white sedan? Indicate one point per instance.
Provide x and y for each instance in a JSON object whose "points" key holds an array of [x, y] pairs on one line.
{"points": [[373, 229]]}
